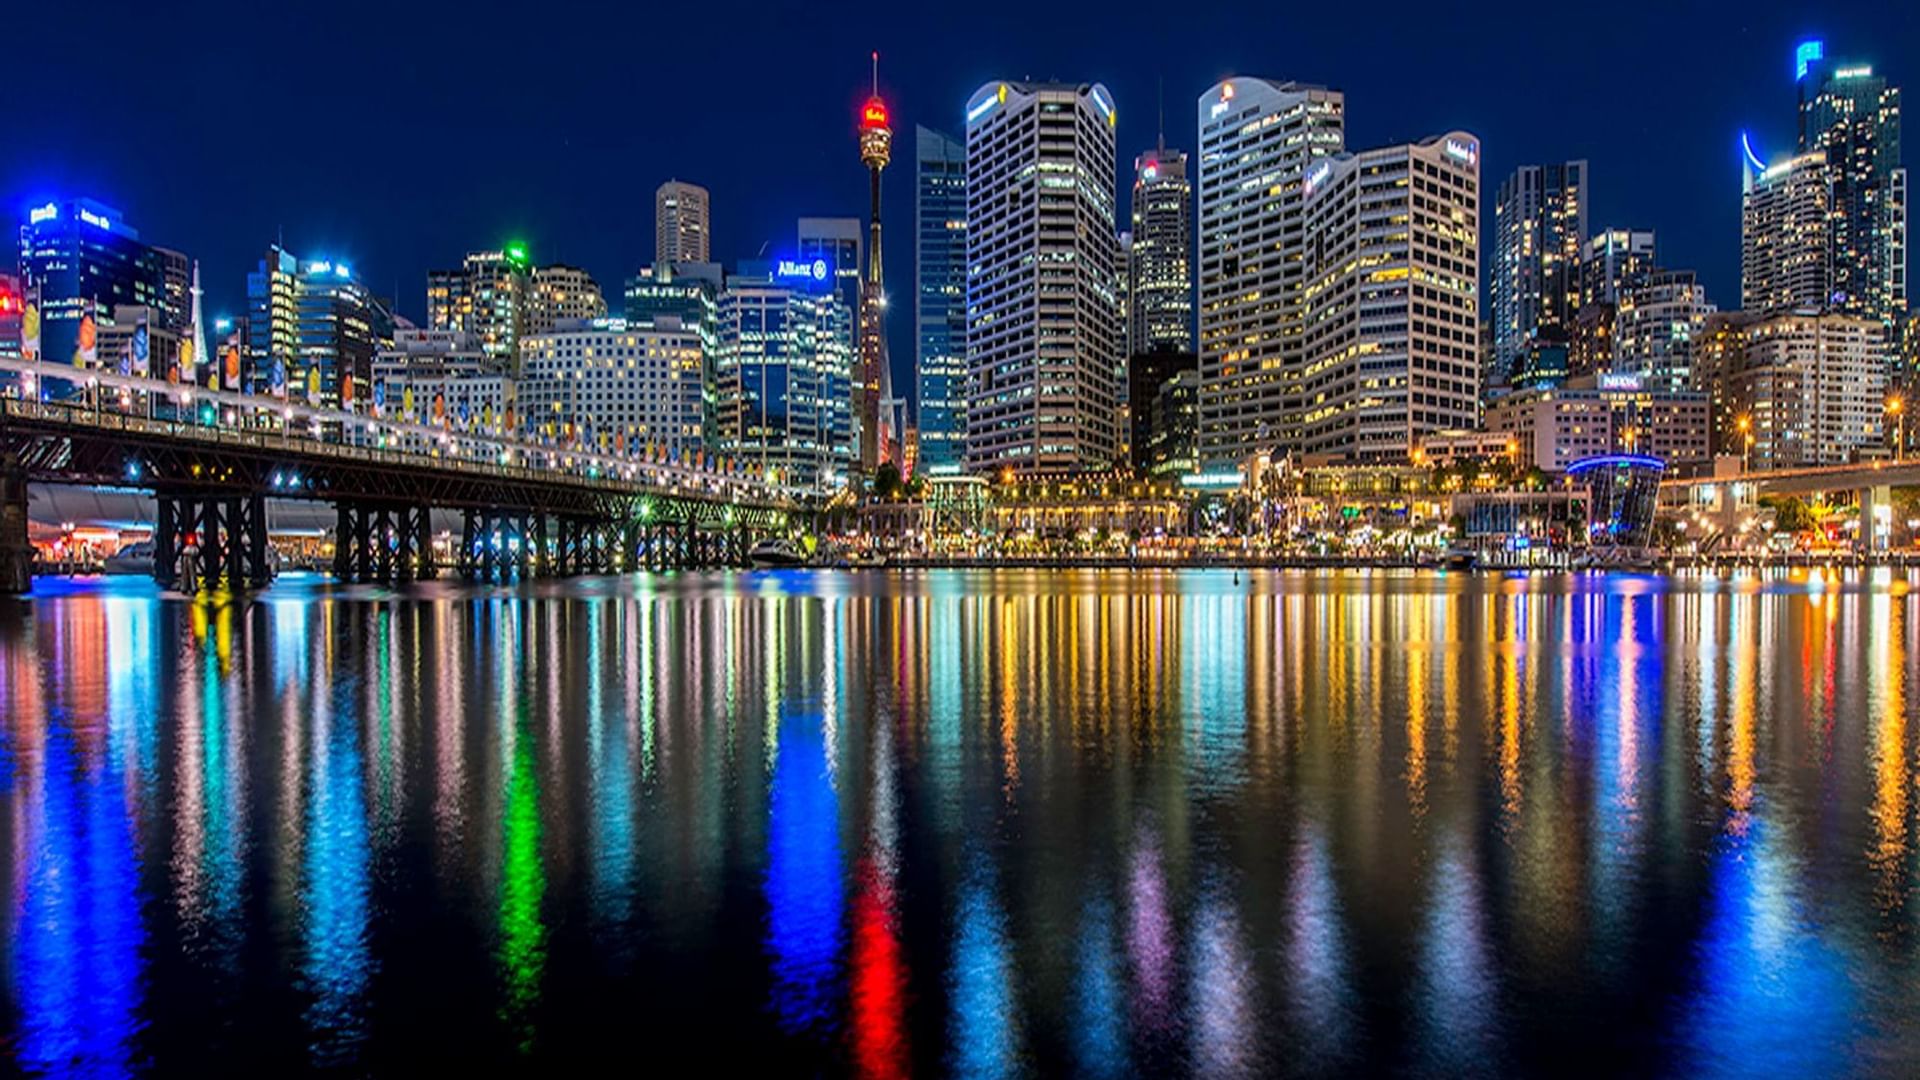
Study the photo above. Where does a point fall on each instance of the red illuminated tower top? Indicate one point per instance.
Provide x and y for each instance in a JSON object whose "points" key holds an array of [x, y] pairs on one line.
{"points": [[876, 136]]}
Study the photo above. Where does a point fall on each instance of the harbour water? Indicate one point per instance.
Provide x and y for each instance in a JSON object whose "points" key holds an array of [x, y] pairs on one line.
{"points": [[985, 823]]}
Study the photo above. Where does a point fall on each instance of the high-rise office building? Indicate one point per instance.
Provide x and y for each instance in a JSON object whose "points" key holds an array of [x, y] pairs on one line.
{"points": [[489, 296], [1615, 258], [838, 241], [1392, 298], [1810, 388], [1044, 336], [80, 260], [617, 387], [1539, 226], [1852, 116], [1160, 257], [1257, 140], [176, 287], [783, 382], [272, 323], [1656, 326], [1786, 236], [682, 229], [940, 300], [560, 293], [309, 330]]}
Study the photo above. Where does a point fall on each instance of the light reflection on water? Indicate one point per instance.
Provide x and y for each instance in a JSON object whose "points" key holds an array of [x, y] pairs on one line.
{"points": [[974, 823]]}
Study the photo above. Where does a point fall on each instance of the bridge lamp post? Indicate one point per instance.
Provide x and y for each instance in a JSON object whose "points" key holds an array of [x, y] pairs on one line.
{"points": [[1746, 438], [1897, 408]]}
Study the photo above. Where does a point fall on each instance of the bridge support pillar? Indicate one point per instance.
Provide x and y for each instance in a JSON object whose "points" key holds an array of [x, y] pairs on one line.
{"points": [[378, 542], [1876, 517], [16, 553], [226, 535]]}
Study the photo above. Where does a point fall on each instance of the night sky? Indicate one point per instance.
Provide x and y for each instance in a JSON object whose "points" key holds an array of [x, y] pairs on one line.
{"points": [[400, 136]]}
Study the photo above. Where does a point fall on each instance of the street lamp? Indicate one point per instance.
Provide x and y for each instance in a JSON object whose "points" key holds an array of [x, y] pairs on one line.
{"points": [[1897, 408], [1746, 437]]}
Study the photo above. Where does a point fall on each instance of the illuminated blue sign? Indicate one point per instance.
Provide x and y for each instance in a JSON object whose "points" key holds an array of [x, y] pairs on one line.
{"points": [[986, 105], [796, 268], [38, 214], [1746, 144], [1805, 55], [95, 220]]}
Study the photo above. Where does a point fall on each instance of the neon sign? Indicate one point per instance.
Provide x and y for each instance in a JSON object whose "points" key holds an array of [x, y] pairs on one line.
{"points": [[1317, 176], [794, 268], [1805, 55], [1620, 382], [1464, 150], [986, 106], [874, 115], [1753, 159], [95, 220], [1218, 107], [38, 214], [1106, 107]]}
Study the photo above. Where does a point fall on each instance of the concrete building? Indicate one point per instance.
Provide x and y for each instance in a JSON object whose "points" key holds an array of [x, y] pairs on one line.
{"points": [[426, 374], [138, 341], [1603, 414], [489, 296], [940, 301], [1392, 316], [1615, 259], [1160, 255], [682, 227], [1657, 323], [1539, 228], [1850, 115], [617, 387], [1811, 388], [1257, 140], [1044, 334], [561, 293], [1786, 236]]}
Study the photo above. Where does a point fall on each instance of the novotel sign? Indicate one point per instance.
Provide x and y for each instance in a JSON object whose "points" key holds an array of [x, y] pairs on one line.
{"points": [[797, 268], [1464, 150]]}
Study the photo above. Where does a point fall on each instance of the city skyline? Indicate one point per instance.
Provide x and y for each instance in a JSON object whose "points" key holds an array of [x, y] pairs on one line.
{"points": [[585, 198]]}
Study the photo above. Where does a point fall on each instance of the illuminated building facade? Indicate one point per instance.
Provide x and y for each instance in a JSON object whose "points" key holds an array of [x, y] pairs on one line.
{"points": [[940, 301], [1616, 259], [309, 330], [1257, 139], [1811, 387], [1044, 332], [1552, 428], [1851, 116], [1656, 326], [837, 240], [619, 387], [1160, 257], [13, 311], [682, 227], [561, 293], [80, 260], [782, 382], [1540, 226], [1786, 236], [422, 372], [489, 296], [1392, 305]]}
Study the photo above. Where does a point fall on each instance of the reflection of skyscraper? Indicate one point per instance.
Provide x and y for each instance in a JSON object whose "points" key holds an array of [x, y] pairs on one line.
{"points": [[682, 228], [940, 299], [1853, 116], [1044, 333], [872, 385]]}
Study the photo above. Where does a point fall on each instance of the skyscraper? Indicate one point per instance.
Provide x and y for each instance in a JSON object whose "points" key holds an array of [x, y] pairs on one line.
{"points": [[940, 300], [1786, 236], [1852, 116], [1540, 225], [1160, 259], [489, 296], [1614, 258], [81, 260], [559, 293], [1392, 298], [1257, 139], [783, 382], [682, 229], [309, 330], [838, 240], [1044, 336], [1658, 323]]}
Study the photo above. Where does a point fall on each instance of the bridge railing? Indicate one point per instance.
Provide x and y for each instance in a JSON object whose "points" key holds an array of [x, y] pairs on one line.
{"points": [[110, 402]]}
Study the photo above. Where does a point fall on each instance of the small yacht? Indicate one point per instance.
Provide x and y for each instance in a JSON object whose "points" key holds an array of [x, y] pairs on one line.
{"points": [[776, 552], [1459, 559]]}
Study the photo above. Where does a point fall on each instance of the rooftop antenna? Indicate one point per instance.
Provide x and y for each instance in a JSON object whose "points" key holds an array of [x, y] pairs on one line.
{"points": [[1161, 99], [876, 73]]}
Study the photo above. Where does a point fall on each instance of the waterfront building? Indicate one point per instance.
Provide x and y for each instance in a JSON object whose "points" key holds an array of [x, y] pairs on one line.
{"points": [[1539, 228], [1852, 117], [138, 340], [1445, 448], [940, 301], [1786, 237], [1257, 139], [783, 380], [1616, 259], [80, 260], [489, 296], [1392, 316], [561, 293], [682, 227], [1160, 253], [424, 375], [309, 330], [1810, 388], [837, 242], [1603, 414], [1044, 335], [1656, 325], [618, 387]]}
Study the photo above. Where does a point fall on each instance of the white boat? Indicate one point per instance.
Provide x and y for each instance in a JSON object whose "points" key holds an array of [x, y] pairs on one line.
{"points": [[1459, 559], [134, 558], [774, 553]]}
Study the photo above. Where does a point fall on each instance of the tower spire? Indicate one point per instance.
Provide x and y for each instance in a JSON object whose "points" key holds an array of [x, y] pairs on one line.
{"points": [[1160, 97], [876, 73]]}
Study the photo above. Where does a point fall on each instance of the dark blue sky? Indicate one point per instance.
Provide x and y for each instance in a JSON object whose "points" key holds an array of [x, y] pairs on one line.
{"points": [[399, 136]]}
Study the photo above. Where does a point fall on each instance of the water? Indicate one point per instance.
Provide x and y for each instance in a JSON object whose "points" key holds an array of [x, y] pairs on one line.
{"points": [[1083, 822]]}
